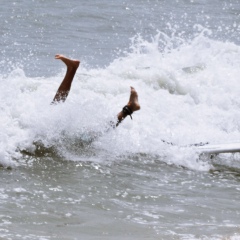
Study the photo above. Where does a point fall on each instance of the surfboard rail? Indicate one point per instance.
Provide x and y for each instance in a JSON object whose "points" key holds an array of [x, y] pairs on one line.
{"points": [[219, 148]]}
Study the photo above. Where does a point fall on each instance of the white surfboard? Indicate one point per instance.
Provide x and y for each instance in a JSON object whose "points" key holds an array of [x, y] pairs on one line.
{"points": [[219, 148]]}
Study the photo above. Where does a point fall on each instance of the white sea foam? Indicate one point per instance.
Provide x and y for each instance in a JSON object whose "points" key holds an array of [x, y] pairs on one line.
{"points": [[188, 91]]}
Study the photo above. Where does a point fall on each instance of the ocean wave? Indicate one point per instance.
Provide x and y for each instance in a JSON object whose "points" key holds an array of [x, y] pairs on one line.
{"points": [[187, 90]]}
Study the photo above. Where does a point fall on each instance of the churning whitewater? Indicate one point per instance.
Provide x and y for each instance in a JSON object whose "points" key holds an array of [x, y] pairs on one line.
{"points": [[65, 174], [187, 91]]}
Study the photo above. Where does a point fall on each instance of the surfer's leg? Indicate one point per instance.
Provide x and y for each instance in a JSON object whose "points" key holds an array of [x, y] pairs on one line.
{"points": [[64, 88], [132, 106]]}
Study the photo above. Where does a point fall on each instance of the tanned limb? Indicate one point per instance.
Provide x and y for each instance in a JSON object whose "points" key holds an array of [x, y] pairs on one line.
{"points": [[64, 88], [132, 106]]}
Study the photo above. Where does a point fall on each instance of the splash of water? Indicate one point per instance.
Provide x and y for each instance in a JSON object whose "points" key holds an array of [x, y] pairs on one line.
{"points": [[187, 90]]}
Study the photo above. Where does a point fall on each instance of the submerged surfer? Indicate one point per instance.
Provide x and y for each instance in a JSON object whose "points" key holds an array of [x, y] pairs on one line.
{"points": [[65, 86]]}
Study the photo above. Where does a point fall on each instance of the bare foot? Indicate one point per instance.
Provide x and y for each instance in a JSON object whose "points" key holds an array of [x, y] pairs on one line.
{"points": [[69, 62], [133, 103]]}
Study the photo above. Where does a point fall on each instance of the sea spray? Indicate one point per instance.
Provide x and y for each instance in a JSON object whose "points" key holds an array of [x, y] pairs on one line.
{"points": [[187, 90]]}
